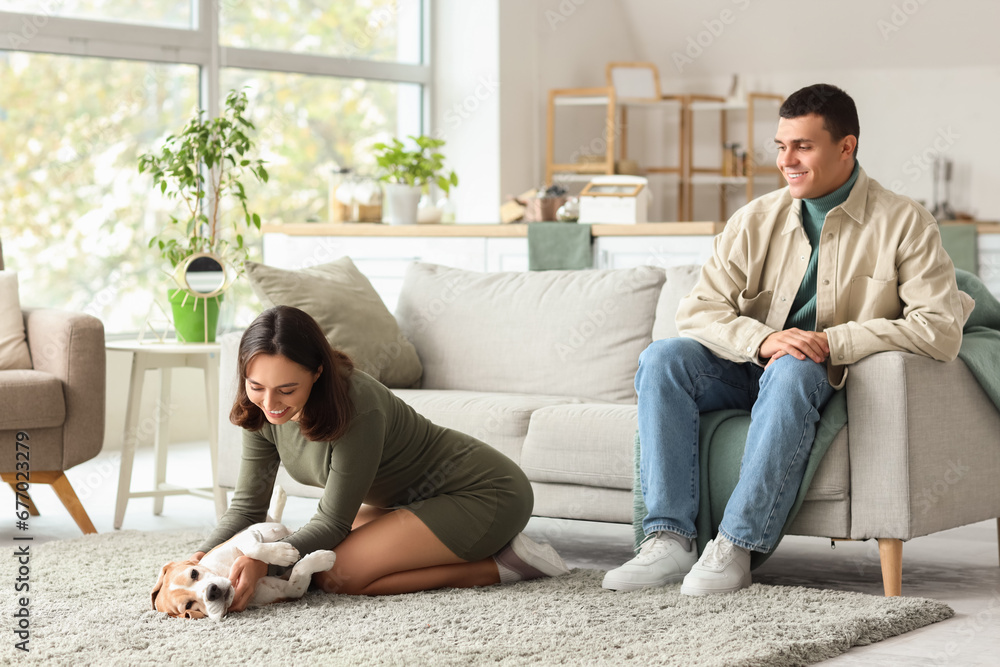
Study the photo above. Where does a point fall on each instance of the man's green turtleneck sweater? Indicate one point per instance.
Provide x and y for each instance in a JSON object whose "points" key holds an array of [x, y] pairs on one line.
{"points": [[803, 312]]}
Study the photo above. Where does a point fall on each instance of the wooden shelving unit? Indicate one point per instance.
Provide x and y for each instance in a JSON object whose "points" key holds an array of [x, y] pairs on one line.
{"points": [[689, 174], [699, 175], [565, 97]]}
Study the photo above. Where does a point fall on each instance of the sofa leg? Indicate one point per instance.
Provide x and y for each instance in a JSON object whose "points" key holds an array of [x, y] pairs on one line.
{"points": [[21, 495], [890, 551]]}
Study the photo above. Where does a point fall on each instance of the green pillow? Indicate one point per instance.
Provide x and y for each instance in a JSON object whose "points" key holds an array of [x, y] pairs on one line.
{"points": [[349, 311]]}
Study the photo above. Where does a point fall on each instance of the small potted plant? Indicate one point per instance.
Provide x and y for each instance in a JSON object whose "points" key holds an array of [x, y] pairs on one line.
{"points": [[202, 166], [406, 173]]}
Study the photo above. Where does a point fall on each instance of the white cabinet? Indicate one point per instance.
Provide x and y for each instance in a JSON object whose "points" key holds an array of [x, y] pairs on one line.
{"points": [[623, 252], [509, 254], [384, 259], [989, 262]]}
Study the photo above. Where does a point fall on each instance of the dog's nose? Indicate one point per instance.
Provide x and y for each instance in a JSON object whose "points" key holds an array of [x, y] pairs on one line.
{"points": [[213, 593]]}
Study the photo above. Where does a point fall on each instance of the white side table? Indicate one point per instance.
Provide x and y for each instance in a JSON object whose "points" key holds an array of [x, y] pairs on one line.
{"points": [[164, 357]]}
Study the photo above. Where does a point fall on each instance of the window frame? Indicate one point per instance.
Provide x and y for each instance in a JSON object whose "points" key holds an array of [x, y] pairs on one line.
{"points": [[201, 46]]}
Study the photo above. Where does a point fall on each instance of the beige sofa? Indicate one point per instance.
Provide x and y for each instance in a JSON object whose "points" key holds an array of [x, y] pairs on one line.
{"points": [[541, 366]]}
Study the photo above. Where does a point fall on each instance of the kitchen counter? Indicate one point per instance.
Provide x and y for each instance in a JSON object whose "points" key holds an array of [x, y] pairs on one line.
{"points": [[513, 230]]}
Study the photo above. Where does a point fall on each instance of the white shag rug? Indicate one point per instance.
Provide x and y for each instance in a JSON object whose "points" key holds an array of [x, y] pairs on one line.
{"points": [[89, 604]]}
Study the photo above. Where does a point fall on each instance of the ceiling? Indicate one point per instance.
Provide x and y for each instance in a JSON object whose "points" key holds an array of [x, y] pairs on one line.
{"points": [[720, 36]]}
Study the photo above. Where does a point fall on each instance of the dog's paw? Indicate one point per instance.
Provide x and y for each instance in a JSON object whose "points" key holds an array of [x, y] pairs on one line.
{"points": [[282, 553], [319, 561]]}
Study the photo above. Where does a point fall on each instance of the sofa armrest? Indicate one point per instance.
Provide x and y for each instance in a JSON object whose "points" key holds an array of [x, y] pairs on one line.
{"points": [[924, 449], [70, 346]]}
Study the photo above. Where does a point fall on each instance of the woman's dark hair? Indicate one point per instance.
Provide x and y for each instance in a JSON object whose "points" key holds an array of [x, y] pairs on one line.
{"points": [[292, 333], [840, 116]]}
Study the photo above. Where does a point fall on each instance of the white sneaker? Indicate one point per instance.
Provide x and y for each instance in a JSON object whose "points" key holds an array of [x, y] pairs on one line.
{"points": [[661, 560], [524, 559], [723, 568]]}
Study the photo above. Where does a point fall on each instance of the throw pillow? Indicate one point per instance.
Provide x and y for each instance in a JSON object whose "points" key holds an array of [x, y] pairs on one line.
{"points": [[13, 346], [350, 312], [556, 333]]}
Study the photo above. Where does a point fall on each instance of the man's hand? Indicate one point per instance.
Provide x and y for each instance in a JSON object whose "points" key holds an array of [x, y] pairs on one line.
{"points": [[796, 342], [244, 575]]}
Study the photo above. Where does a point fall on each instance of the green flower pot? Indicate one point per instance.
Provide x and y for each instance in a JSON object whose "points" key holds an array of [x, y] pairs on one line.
{"points": [[195, 317]]}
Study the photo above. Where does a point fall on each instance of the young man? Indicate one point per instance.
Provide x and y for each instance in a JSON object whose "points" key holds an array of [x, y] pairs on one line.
{"points": [[802, 283]]}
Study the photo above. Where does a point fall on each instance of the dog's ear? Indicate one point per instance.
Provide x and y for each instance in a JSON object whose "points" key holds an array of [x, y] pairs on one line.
{"points": [[159, 584]]}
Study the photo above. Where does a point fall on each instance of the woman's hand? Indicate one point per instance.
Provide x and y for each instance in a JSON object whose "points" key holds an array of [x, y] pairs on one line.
{"points": [[198, 556], [244, 575]]}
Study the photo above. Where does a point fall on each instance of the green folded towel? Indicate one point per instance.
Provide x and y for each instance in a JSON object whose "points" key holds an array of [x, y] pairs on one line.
{"points": [[559, 245], [961, 243]]}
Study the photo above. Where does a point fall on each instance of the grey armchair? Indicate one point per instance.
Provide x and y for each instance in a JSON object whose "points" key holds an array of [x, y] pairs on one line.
{"points": [[58, 404], [920, 454]]}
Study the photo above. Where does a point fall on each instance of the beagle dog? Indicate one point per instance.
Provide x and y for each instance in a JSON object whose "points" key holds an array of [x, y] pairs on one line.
{"points": [[189, 589]]}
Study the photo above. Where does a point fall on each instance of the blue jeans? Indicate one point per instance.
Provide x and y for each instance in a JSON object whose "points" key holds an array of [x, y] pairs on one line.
{"points": [[679, 378]]}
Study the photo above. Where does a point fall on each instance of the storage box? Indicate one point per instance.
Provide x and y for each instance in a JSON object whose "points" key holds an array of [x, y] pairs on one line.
{"points": [[615, 200]]}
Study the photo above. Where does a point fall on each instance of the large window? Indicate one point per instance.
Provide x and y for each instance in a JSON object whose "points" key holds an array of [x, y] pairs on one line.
{"points": [[168, 13], [310, 125], [81, 98], [372, 29]]}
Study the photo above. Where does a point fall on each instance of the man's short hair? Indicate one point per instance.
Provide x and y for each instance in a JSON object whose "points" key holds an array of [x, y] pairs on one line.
{"points": [[840, 116]]}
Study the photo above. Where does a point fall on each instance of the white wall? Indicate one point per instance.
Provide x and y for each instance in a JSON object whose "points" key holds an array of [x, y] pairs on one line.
{"points": [[465, 106], [494, 63], [925, 75]]}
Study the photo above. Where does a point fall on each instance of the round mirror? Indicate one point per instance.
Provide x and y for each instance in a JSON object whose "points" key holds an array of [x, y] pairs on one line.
{"points": [[203, 274]]}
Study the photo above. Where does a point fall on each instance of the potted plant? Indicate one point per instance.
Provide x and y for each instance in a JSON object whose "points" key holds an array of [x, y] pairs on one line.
{"points": [[202, 166], [407, 172]]}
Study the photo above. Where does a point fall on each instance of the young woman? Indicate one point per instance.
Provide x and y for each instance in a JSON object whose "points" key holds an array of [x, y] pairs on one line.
{"points": [[441, 509]]}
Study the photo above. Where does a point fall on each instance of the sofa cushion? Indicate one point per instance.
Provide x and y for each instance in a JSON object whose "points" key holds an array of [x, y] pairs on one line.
{"points": [[13, 345], [350, 312], [590, 444], [500, 420], [680, 281], [31, 399], [568, 333]]}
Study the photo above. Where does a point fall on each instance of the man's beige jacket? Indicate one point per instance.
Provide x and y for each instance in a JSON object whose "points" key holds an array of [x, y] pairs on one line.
{"points": [[884, 281]]}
